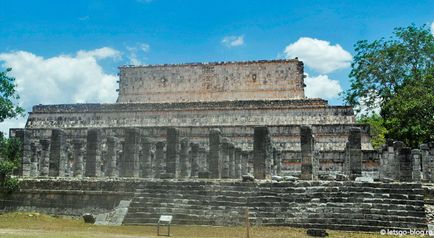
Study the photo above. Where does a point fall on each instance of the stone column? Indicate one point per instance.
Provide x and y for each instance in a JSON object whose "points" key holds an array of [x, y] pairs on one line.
{"points": [[27, 153], [215, 158], [244, 162], [194, 158], [131, 165], [172, 153], [416, 156], [34, 166], [237, 163], [203, 163], [394, 159], [262, 151], [112, 157], [45, 157], [405, 165], [424, 150], [224, 153], [307, 146], [159, 158], [183, 158], [146, 159], [93, 153], [120, 147], [315, 164], [57, 153], [431, 160], [78, 157], [354, 152], [231, 161], [278, 163]]}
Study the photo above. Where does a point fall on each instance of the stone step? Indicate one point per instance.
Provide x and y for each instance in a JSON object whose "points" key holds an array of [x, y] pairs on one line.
{"points": [[337, 221], [337, 210]]}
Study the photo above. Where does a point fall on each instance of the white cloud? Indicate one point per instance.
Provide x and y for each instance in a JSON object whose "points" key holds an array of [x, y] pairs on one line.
{"points": [[101, 53], [233, 41], [136, 53], [322, 86], [432, 28], [319, 55], [60, 79]]}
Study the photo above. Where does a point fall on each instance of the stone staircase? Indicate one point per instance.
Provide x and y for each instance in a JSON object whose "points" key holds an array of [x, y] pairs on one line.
{"points": [[319, 204], [340, 205], [199, 203], [115, 217]]}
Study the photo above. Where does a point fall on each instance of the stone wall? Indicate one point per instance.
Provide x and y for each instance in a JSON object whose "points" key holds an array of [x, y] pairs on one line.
{"points": [[226, 81], [321, 204]]}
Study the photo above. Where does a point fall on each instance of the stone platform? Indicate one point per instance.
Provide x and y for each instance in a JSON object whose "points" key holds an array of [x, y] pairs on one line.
{"points": [[319, 204]]}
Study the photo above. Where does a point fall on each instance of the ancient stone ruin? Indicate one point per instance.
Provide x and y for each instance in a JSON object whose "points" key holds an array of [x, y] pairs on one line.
{"points": [[180, 138]]}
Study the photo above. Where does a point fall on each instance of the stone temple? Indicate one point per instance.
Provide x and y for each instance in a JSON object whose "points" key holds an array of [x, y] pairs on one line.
{"points": [[180, 137], [195, 98]]}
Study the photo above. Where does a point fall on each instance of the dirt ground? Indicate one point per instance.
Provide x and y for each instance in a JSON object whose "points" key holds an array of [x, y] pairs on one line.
{"points": [[40, 225]]}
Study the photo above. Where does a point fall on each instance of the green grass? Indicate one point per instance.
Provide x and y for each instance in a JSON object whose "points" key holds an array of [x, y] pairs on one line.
{"points": [[39, 225]]}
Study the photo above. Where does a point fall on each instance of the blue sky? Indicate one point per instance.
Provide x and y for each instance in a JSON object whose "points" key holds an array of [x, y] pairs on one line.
{"points": [[68, 51]]}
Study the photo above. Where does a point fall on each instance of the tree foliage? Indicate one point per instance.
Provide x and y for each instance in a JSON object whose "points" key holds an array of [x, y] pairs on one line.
{"points": [[10, 148], [395, 75], [10, 155], [377, 129], [8, 96]]}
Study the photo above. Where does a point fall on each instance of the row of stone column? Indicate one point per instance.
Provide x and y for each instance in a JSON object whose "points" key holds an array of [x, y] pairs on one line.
{"points": [[225, 159], [401, 163]]}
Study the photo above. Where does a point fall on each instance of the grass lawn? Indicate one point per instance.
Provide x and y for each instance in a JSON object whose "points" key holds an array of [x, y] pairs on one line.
{"points": [[38, 225]]}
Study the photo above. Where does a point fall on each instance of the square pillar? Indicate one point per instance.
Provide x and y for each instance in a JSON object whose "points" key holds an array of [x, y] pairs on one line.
{"points": [[57, 154], [215, 158], [262, 151]]}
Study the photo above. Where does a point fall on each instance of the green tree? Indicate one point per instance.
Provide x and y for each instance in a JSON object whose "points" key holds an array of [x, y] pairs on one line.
{"points": [[377, 129], [10, 153], [10, 148], [8, 96], [386, 74]]}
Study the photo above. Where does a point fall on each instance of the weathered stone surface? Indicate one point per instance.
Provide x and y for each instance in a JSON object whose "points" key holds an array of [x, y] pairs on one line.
{"points": [[194, 158], [130, 164], [225, 153], [215, 157], [354, 153], [146, 159], [45, 157], [172, 152], [262, 152], [307, 146], [93, 153], [248, 178], [78, 157], [364, 179], [183, 159], [405, 165], [212, 82], [237, 163], [111, 169], [159, 158], [316, 232], [57, 154], [89, 218]]}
